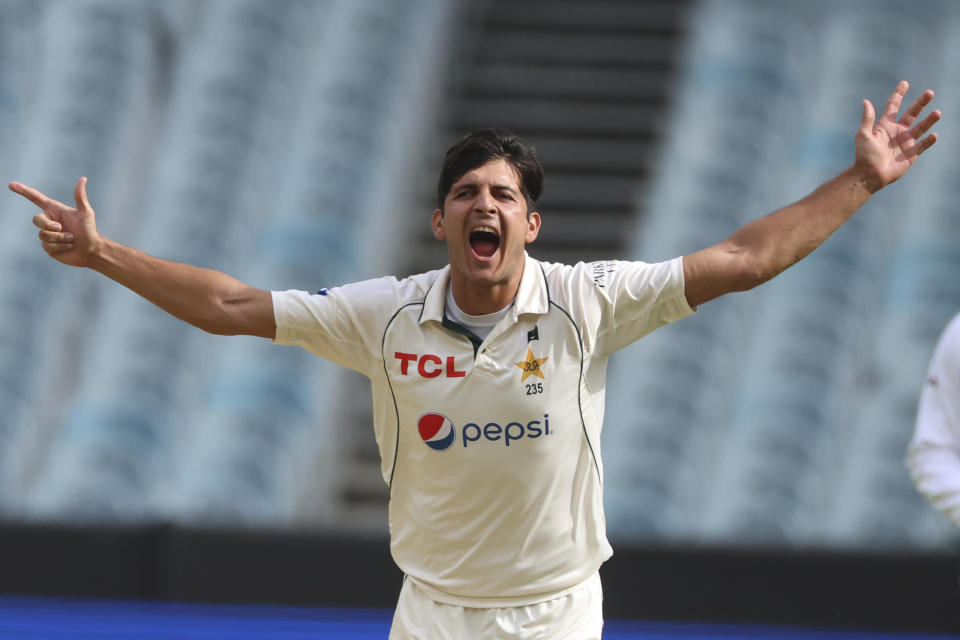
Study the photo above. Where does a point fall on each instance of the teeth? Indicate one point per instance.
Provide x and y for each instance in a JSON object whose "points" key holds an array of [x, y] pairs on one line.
{"points": [[486, 229]]}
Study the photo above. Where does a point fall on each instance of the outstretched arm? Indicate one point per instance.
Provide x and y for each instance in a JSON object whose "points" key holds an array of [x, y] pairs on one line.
{"points": [[207, 299], [760, 250]]}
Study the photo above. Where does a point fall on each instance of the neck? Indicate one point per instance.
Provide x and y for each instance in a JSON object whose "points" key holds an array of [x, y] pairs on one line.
{"points": [[478, 299]]}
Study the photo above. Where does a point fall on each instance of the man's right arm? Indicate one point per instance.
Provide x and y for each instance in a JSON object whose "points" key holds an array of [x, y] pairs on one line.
{"points": [[208, 299]]}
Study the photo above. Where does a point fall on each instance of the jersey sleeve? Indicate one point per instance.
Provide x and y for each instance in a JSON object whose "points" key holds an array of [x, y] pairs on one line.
{"points": [[933, 456], [325, 324], [637, 298]]}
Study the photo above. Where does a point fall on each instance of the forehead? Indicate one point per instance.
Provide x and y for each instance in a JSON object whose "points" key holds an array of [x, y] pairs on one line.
{"points": [[498, 172]]}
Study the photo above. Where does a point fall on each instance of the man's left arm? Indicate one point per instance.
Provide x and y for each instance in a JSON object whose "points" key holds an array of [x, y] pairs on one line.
{"points": [[758, 251]]}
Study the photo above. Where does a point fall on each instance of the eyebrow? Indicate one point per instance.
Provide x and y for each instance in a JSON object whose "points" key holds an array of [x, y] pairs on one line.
{"points": [[473, 185]]}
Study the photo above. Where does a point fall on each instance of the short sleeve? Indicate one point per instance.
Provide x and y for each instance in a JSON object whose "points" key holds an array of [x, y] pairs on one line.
{"points": [[324, 324], [640, 297]]}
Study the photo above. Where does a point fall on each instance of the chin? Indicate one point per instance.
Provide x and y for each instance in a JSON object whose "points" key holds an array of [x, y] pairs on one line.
{"points": [[486, 277]]}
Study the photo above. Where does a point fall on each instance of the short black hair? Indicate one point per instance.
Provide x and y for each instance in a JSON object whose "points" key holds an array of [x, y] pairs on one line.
{"points": [[480, 147]]}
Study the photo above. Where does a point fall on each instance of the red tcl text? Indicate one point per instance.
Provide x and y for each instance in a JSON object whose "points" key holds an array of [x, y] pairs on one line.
{"points": [[428, 365]]}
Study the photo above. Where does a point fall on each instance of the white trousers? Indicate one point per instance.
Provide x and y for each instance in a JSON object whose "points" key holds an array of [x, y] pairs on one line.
{"points": [[575, 616]]}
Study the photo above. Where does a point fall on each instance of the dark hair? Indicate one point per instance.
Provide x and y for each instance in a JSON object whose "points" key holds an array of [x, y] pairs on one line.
{"points": [[480, 147]]}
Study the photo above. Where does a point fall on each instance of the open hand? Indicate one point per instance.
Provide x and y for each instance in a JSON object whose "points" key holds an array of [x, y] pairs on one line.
{"points": [[887, 147], [67, 234]]}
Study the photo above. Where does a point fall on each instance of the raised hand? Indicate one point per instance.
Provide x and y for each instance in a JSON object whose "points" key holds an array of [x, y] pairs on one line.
{"points": [[67, 234], [887, 147]]}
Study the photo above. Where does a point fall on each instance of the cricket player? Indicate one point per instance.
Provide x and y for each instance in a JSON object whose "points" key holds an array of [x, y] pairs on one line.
{"points": [[488, 374], [933, 455]]}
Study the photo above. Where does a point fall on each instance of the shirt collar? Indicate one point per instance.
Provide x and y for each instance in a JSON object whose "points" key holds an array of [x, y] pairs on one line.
{"points": [[532, 295]]}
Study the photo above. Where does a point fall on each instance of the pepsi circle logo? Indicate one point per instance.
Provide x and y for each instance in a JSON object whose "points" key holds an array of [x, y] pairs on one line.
{"points": [[437, 431]]}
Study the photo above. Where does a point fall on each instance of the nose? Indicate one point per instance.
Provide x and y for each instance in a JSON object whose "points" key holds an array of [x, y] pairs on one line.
{"points": [[485, 202]]}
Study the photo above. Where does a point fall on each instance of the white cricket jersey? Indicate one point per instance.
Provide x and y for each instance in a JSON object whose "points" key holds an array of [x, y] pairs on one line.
{"points": [[934, 452], [491, 450]]}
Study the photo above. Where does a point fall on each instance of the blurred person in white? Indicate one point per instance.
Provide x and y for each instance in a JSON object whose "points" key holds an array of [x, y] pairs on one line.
{"points": [[933, 455], [488, 375]]}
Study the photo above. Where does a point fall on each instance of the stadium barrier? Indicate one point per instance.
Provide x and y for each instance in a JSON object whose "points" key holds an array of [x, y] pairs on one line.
{"points": [[881, 591]]}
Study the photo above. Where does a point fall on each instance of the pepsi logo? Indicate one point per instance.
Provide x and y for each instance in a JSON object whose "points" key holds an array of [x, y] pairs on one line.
{"points": [[437, 431]]}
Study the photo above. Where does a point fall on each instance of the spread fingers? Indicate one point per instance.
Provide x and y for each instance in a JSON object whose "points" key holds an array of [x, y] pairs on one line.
{"points": [[925, 124]]}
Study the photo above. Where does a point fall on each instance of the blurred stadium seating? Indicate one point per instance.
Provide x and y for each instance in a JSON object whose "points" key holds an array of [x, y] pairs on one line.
{"points": [[791, 418], [274, 141], [221, 112]]}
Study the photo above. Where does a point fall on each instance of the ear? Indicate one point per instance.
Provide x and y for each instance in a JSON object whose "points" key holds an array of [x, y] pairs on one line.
{"points": [[533, 227], [437, 223]]}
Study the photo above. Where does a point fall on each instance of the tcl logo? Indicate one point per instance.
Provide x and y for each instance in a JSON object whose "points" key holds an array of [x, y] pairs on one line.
{"points": [[428, 365]]}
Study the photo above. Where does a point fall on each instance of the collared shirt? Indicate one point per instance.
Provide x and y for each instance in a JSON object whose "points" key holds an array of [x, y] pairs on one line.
{"points": [[480, 325], [490, 448]]}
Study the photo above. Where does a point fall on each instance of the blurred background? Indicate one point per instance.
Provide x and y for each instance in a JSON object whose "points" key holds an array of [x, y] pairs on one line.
{"points": [[296, 144]]}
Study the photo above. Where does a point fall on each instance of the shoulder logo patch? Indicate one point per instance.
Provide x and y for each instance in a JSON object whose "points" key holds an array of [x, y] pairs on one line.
{"points": [[600, 270]]}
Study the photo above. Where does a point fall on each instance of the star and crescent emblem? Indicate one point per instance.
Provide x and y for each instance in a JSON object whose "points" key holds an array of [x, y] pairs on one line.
{"points": [[531, 366]]}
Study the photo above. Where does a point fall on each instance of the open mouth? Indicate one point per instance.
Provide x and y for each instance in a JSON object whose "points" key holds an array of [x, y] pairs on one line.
{"points": [[484, 241]]}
